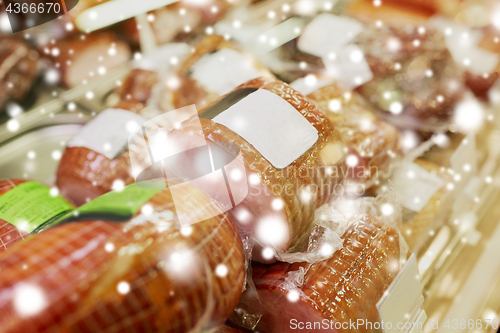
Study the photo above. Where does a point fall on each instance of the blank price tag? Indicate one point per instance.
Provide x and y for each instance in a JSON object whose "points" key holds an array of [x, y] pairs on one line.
{"points": [[402, 301]]}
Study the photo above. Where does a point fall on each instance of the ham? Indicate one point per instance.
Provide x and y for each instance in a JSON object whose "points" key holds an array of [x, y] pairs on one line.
{"points": [[9, 234], [144, 275], [281, 201], [81, 58], [344, 288], [18, 69], [13, 213], [194, 87], [372, 142]]}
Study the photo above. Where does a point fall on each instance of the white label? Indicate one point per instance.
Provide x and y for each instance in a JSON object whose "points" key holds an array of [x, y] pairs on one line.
{"points": [[464, 161], [403, 300], [309, 84], [462, 43], [272, 125], [108, 132], [348, 66], [327, 33], [163, 57], [415, 186], [223, 71]]}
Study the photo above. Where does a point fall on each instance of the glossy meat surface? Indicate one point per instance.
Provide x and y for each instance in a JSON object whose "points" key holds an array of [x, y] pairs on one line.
{"points": [[373, 142], [18, 69], [144, 275], [9, 234], [310, 173], [342, 288]]}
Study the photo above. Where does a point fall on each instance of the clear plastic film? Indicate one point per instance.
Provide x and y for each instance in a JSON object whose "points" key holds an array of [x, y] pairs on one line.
{"points": [[405, 71], [374, 146], [147, 272], [214, 68], [346, 285]]}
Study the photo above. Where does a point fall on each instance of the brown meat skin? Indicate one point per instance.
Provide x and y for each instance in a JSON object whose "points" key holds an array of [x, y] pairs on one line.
{"points": [[137, 85], [373, 141], [410, 85], [84, 174], [190, 91], [345, 287], [78, 274], [18, 69], [80, 57], [9, 234], [310, 169]]}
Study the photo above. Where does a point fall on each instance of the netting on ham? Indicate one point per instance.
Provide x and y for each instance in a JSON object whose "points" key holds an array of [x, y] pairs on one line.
{"points": [[96, 276], [9, 234]]}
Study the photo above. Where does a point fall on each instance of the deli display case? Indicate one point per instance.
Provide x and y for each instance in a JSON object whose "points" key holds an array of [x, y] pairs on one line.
{"points": [[250, 166]]}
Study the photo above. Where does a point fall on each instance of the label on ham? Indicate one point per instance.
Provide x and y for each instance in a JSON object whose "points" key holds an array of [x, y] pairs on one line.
{"points": [[117, 205], [223, 71], [328, 33], [309, 84], [108, 132], [403, 300], [415, 186], [270, 124], [30, 204]]}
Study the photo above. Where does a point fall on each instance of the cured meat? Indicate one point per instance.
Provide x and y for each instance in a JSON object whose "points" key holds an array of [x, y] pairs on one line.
{"points": [[227, 329], [9, 234], [188, 90], [24, 206], [422, 91], [372, 143], [282, 200], [83, 57], [136, 89], [18, 69], [144, 275], [345, 287], [84, 174]]}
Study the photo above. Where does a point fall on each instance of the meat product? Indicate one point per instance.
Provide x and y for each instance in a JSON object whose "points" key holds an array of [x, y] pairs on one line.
{"points": [[136, 89], [86, 169], [83, 57], [22, 212], [284, 195], [345, 287], [372, 142], [144, 275], [227, 329], [18, 69], [422, 91], [214, 69]]}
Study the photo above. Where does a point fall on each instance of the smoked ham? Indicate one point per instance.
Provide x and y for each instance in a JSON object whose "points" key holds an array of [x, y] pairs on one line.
{"points": [[9, 234], [81, 58], [344, 288], [144, 275], [18, 69], [195, 84], [282, 198], [372, 142]]}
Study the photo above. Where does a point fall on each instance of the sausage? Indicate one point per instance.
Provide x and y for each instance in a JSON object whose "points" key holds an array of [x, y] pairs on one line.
{"points": [[18, 69], [144, 275], [345, 287]]}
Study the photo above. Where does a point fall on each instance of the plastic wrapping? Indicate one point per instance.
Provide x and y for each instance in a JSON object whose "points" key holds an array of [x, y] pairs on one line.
{"points": [[373, 144], [279, 208], [344, 286], [410, 76], [184, 89], [25, 208], [147, 273]]}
